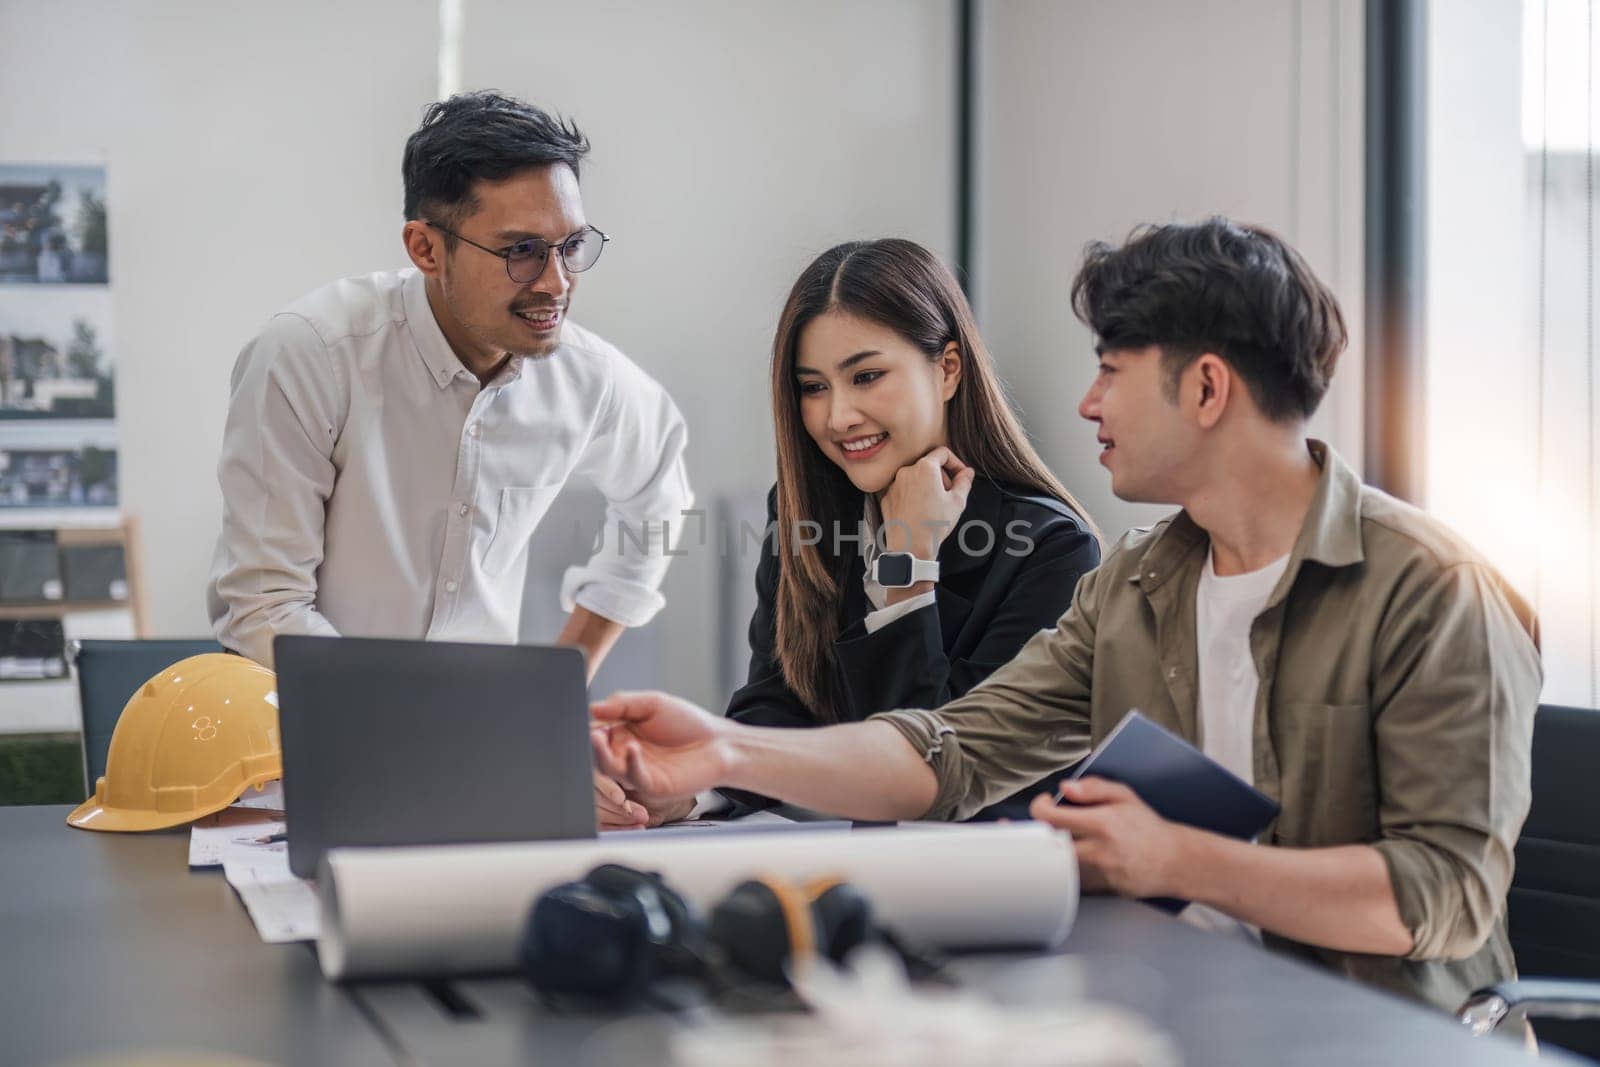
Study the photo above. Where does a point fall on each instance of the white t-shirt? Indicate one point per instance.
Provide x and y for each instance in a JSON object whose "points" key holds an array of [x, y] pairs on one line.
{"points": [[1224, 609]]}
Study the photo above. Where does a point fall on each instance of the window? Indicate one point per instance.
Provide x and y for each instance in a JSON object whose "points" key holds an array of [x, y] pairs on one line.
{"points": [[1510, 321]]}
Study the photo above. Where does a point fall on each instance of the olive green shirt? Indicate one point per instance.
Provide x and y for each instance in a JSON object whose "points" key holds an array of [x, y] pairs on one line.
{"points": [[1399, 675]]}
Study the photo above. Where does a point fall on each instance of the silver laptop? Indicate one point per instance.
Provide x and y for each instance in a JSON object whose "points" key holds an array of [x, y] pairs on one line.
{"points": [[425, 743]]}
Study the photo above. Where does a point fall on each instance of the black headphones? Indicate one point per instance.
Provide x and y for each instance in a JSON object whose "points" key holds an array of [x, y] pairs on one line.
{"points": [[764, 923], [609, 935], [618, 932]]}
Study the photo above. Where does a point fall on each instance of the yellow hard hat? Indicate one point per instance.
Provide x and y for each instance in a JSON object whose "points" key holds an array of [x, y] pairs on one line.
{"points": [[188, 743]]}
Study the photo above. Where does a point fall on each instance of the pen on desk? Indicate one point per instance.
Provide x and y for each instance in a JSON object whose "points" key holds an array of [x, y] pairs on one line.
{"points": [[272, 838]]}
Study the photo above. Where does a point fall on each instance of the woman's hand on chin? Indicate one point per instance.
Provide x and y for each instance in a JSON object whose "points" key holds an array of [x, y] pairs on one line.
{"points": [[924, 503]]}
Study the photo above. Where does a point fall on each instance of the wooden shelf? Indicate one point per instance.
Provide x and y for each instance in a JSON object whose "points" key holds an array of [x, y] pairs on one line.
{"points": [[60, 519], [73, 530], [54, 609]]}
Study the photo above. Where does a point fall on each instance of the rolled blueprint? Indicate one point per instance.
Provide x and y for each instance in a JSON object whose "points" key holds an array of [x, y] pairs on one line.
{"points": [[436, 911]]}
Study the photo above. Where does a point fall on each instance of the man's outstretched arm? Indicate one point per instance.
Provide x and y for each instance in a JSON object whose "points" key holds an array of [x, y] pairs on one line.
{"points": [[663, 748]]}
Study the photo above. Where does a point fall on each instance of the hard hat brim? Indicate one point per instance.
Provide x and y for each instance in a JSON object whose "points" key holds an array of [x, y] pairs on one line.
{"points": [[93, 815]]}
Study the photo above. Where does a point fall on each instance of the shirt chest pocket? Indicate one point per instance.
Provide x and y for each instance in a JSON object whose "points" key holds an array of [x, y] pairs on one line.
{"points": [[1328, 770], [521, 508]]}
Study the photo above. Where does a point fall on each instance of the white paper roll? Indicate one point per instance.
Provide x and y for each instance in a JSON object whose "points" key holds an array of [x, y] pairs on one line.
{"points": [[459, 909]]}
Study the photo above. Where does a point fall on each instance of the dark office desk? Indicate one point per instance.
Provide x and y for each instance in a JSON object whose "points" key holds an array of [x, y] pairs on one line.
{"points": [[108, 944]]}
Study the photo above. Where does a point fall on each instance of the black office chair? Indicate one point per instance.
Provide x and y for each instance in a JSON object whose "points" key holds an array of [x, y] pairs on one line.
{"points": [[1554, 905], [109, 672]]}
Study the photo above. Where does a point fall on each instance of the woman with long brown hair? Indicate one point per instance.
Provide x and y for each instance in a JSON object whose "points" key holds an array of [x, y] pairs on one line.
{"points": [[916, 540]]}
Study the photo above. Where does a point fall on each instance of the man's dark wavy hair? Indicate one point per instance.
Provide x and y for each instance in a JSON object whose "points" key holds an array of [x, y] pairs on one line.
{"points": [[1217, 286], [481, 136]]}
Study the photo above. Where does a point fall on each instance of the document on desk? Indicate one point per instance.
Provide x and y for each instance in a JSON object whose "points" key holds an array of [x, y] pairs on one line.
{"points": [[269, 796], [283, 907], [235, 833], [459, 909], [248, 842], [757, 822]]}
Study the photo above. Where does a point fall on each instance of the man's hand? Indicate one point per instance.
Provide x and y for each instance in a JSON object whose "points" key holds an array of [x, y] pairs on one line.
{"points": [[612, 808], [1339, 897], [594, 634], [1121, 844], [661, 748], [661, 812]]}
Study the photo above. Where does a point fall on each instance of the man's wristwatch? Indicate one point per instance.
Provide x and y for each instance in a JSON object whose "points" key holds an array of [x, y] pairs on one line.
{"points": [[897, 570]]}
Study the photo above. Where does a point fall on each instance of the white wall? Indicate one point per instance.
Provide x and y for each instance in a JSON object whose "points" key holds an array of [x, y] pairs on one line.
{"points": [[252, 153], [733, 141], [1100, 116]]}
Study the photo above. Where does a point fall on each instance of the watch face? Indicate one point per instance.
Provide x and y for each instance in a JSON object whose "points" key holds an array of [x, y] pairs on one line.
{"points": [[894, 570]]}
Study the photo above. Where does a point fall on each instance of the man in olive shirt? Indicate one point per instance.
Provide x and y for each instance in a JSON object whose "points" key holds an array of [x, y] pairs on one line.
{"points": [[1353, 658]]}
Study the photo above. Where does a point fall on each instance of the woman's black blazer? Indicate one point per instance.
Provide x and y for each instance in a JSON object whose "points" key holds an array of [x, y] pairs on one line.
{"points": [[993, 594]]}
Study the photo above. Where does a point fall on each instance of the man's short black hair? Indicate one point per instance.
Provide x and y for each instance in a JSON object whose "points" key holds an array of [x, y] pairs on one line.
{"points": [[1217, 286], [480, 136]]}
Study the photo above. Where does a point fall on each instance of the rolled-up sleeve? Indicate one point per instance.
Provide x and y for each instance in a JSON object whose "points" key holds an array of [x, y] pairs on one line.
{"points": [[1456, 690], [635, 458], [276, 472], [1026, 720]]}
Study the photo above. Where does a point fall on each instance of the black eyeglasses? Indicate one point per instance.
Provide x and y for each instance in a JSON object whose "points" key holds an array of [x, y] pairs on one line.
{"points": [[526, 260]]}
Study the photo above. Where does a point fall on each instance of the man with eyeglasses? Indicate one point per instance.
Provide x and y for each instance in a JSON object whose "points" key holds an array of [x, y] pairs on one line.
{"points": [[393, 439]]}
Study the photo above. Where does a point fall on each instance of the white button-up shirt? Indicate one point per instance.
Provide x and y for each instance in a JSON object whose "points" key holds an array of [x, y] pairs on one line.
{"points": [[371, 487]]}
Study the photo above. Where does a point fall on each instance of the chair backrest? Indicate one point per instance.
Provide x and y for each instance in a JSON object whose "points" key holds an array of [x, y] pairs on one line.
{"points": [[564, 537], [109, 672], [1554, 905], [739, 520]]}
